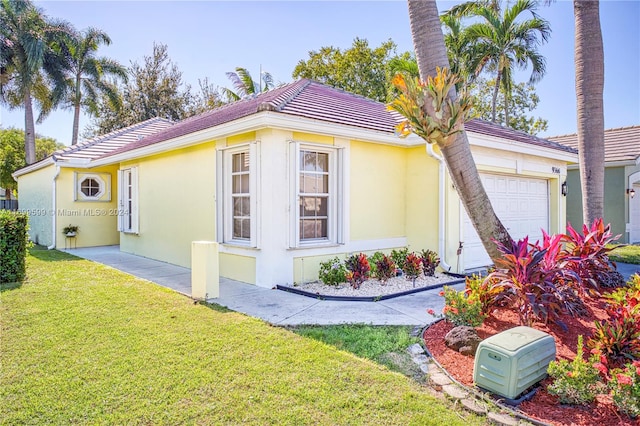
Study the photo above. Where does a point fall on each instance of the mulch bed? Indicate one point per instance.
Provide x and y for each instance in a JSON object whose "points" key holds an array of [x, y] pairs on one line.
{"points": [[542, 407]]}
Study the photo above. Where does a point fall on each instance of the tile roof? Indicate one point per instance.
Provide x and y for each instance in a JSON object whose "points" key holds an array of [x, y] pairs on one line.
{"points": [[312, 100], [109, 142], [620, 144], [496, 130]]}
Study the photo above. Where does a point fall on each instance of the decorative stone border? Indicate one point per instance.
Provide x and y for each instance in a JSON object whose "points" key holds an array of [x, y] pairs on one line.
{"points": [[471, 399]]}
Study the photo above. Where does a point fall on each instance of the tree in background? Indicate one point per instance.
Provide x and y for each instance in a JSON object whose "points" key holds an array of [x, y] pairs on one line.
{"points": [[245, 85], [360, 69], [499, 43], [12, 156], [459, 47], [88, 74], [154, 89], [31, 63], [209, 97], [431, 54], [524, 99], [404, 64], [589, 62]]}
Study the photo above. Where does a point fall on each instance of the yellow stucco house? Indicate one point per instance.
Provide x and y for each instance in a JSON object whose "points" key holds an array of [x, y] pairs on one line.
{"points": [[285, 180]]}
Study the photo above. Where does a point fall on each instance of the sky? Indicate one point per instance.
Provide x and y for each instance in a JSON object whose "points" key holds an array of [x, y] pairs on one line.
{"points": [[209, 38]]}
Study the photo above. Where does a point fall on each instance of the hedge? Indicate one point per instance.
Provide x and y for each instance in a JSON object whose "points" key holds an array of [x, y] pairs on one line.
{"points": [[14, 242]]}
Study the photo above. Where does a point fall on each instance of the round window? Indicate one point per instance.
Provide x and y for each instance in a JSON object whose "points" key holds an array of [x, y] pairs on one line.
{"points": [[90, 187]]}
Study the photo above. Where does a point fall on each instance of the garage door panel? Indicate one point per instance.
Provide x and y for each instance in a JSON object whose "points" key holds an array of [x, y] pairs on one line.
{"points": [[522, 204]]}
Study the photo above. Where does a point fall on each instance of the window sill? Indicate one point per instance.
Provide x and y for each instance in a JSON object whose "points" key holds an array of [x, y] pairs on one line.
{"points": [[235, 245], [316, 246]]}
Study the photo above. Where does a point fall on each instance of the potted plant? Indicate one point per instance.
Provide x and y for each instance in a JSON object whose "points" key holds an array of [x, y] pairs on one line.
{"points": [[70, 230]]}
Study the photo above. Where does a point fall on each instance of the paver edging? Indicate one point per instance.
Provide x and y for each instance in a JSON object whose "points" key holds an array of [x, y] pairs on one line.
{"points": [[473, 391]]}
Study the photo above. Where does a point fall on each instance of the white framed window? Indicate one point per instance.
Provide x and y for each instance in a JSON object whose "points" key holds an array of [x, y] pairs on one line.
{"points": [[317, 190], [92, 186], [128, 200], [237, 208]]}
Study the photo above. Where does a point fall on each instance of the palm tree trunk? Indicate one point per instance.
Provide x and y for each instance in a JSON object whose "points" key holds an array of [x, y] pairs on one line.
{"points": [[589, 63], [76, 113], [76, 120], [494, 100], [506, 109], [431, 53], [29, 131]]}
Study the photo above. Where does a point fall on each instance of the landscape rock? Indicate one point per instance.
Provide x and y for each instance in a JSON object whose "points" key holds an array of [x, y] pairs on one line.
{"points": [[502, 419], [438, 380], [463, 339], [420, 359], [455, 391], [415, 349], [473, 406]]}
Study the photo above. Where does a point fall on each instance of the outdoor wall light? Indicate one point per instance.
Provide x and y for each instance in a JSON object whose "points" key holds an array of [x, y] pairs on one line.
{"points": [[564, 189], [631, 192]]}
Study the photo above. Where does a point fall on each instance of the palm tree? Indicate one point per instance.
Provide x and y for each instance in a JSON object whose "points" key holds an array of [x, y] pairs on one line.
{"points": [[30, 62], [431, 53], [589, 62], [404, 64], [87, 74], [502, 44], [244, 85], [458, 46]]}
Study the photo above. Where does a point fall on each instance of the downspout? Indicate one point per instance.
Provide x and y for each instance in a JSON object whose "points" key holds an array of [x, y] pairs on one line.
{"points": [[54, 209], [441, 208]]}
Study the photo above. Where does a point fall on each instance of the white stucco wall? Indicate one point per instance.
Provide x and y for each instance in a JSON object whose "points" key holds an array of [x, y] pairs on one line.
{"points": [[36, 198]]}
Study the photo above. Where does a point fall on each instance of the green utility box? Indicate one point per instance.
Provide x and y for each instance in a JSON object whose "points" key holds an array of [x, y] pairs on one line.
{"points": [[510, 362]]}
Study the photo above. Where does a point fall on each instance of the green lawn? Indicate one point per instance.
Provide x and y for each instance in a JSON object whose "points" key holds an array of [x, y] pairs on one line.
{"points": [[86, 344], [371, 342], [625, 254]]}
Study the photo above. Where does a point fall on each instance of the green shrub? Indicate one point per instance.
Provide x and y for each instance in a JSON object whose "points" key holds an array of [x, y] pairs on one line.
{"points": [[373, 260], [357, 269], [430, 261], [574, 382], [333, 272], [618, 337], [412, 267], [460, 309], [625, 389], [384, 267], [399, 256], [483, 290], [14, 242]]}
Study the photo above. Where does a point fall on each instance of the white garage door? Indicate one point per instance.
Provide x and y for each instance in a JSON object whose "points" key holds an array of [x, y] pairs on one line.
{"points": [[522, 204]]}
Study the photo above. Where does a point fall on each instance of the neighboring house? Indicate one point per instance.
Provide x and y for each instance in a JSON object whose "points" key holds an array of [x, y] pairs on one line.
{"points": [[621, 182], [290, 178], [6, 203]]}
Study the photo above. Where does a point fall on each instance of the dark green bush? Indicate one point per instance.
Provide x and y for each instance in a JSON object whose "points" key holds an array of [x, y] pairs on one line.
{"points": [[14, 242]]}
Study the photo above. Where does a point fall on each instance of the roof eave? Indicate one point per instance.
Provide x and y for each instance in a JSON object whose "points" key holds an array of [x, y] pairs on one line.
{"points": [[33, 167], [483, 140], [321, 127], [261, 120]]}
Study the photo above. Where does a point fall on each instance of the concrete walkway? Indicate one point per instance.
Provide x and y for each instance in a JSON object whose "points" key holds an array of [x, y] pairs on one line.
{"points": [[279, 307], [274, 306]]}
